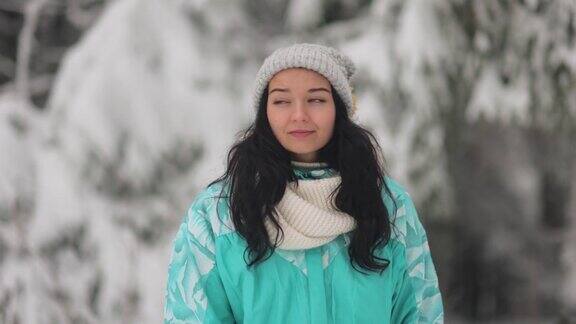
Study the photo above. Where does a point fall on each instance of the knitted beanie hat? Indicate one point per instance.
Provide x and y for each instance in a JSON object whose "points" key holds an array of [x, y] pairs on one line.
{"points": [[332, 64]]}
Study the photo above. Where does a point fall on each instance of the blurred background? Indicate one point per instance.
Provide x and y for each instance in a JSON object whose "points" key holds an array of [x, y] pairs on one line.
{"points": [[113, 114]]}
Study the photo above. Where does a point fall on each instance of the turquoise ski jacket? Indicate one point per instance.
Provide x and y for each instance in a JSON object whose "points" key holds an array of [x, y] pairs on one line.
{"points": [[209, 282]]}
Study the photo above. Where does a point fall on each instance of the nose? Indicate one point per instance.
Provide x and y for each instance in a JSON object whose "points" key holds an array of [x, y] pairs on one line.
{"points": [[300, 112]]}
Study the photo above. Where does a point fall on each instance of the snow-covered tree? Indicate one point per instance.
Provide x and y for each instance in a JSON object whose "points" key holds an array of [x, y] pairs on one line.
{"points": [[473, 103]]}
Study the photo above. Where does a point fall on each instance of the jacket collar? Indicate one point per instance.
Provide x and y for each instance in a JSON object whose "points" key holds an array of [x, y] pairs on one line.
{"points": [[312, 170]]}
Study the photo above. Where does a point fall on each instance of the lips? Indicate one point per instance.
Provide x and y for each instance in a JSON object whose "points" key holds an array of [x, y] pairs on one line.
{"points": [[300, 133]]}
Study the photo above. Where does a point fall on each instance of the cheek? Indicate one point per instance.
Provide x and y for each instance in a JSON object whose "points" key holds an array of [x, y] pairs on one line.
{"points": [[327, 123], [276, 121]]}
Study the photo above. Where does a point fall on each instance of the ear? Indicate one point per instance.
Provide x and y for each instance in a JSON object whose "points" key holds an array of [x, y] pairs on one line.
{"points": [[354, 103]]}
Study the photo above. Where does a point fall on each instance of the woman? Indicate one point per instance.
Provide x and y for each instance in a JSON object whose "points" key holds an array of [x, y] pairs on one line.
{"points": [[303, 227]]}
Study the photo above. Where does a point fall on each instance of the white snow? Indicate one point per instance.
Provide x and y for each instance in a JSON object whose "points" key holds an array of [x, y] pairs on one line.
{"points": [[142, 112]]}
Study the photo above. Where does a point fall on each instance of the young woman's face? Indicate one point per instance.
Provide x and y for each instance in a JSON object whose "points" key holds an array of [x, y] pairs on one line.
{"points": [[301, 100]]}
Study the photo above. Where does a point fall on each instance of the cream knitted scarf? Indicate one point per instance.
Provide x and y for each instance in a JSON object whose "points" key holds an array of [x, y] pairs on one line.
{"points": [[306, 215]]}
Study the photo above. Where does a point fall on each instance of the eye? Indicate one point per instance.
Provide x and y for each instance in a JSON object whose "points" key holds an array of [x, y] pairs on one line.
{"points": [[277, 102], [318, 100]]}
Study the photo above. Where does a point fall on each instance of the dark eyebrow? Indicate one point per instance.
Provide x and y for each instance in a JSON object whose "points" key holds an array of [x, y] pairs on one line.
{"points": [[318, 89], [278, 89], [287, 90]]}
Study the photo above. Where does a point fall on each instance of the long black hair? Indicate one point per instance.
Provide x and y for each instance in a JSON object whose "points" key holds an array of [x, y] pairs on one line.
{"points": [[259, 167]]}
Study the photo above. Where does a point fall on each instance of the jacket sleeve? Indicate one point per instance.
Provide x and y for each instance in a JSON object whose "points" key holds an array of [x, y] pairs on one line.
{"points": [[194, 289], [417, 297]]}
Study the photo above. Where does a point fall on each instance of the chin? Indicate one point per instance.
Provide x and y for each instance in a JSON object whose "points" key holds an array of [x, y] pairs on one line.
{"points": [[302, 151]]}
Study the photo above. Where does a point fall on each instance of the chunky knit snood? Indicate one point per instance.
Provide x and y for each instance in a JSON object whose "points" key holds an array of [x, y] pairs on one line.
{"points": [[307, 215]]}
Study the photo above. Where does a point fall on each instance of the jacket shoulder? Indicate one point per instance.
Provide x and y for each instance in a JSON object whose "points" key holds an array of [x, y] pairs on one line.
{"points": [[396, 188], [403, 214], [210, 207]]}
